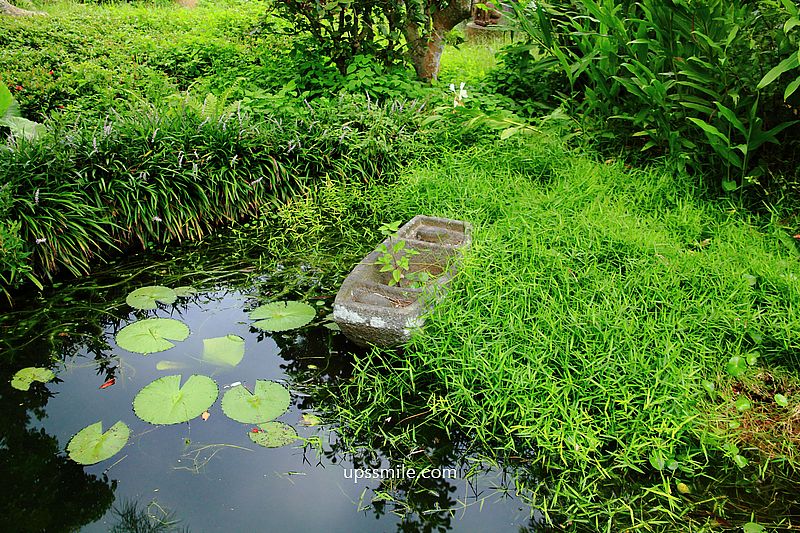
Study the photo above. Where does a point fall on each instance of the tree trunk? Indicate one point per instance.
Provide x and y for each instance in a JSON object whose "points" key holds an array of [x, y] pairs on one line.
{"points": [[8, 9], [426, 50]]}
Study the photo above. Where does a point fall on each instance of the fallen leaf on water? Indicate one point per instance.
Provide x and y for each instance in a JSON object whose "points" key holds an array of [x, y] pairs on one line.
{"points": [[108, 383], [205, 415]]}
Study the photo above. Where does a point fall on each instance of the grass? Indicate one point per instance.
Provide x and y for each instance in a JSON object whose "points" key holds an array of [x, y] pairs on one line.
{"points": [[586, 337], [592, 307], [85, 59]]}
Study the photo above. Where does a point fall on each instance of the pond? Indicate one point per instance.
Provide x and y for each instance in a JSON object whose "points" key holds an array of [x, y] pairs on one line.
{"points": [[208, 474]]}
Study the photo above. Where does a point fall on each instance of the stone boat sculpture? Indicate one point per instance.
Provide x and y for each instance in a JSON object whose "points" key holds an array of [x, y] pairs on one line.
{"points": [[370, 311]]}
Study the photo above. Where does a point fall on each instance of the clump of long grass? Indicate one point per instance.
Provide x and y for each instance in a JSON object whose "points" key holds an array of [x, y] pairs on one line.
{"points": [[579, 333], [161, 175]]}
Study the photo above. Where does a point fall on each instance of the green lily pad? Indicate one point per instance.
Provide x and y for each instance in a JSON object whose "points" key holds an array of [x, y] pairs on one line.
{"points": [[170, 365], [273, 435], [164, 401], [150, 335], [23, 378], [90, 445], [227, 350], [147, 297], [268, 400], [185, 291], [282, 316], [310, 419]]}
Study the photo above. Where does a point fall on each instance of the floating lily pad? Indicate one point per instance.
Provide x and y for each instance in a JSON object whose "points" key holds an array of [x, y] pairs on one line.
{"points": [[282, 316], [169, 365], [148, 297], [90, 445], [310, 419], [273, 435], [151, 335], [227, 350], [164, 401], [268, 400], [185, 291], [23, 378]]}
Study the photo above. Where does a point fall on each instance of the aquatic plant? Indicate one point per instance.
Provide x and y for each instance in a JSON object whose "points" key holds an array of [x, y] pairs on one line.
{"points": [[164, 401], [273, 434], [150, 297], [282, 316], [268, 400], [152, 335], [227, 350], [23, 378], [91, 445]]}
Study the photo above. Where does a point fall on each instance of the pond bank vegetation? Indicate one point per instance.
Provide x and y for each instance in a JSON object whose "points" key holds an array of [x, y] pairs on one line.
{"points": [[622, 336]]}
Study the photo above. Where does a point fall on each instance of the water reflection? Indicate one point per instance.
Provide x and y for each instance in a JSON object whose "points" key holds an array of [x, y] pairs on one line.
{"points": [[43, 489]]}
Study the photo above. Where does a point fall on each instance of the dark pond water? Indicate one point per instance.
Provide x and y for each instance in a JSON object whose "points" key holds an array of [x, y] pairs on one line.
{"points": [[207, 474]]}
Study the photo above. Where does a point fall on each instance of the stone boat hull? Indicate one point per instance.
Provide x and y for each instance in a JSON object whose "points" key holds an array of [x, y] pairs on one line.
{"points": [[371, 312]]}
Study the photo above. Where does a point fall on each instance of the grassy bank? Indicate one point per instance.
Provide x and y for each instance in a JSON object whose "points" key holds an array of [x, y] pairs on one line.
{"points": [[132, 159], [588, 335], [86, 59]]}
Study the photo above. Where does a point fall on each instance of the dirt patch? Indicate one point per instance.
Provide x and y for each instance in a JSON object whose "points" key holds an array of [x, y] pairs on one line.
{"points": [[189, 4]]}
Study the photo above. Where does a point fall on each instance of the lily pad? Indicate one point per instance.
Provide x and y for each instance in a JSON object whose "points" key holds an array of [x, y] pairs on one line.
{"points": [[227, 350], [282, 316], [170, 365], [273, 434], [185, 291], [90, 445], [310, 419], [268, 400], [147, 297], [151, 335], [164, 401], [23, 378]]}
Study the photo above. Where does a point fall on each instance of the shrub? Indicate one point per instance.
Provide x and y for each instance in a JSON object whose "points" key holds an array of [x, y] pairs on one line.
{"points": [[152, 176], [673, 78]]}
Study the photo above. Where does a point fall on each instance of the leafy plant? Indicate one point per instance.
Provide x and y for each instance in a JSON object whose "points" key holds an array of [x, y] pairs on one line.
{"points": [[227, 350], [164, 401], [395, 256], [342, 31], [282, 316], [268, 400], [23, 378], [674, 78], [792, 62], [273, 434], [91, 445], [11, 117], [152, 335]]}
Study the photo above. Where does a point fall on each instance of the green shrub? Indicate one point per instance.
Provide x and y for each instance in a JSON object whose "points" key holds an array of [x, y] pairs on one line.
{"points": [[674, 78], [157, 175], [87, 60]]}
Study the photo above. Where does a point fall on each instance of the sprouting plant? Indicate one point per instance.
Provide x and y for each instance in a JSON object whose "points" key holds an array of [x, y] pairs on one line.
{"points": [[394, 256]]}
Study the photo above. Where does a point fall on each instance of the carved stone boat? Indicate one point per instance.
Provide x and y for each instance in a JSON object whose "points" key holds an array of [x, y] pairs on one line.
{"points": [[371, 312]]}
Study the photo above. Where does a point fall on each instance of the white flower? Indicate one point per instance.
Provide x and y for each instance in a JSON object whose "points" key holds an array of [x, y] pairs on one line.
{"points": [[460, 94], [156, 219], [40, 241]]}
